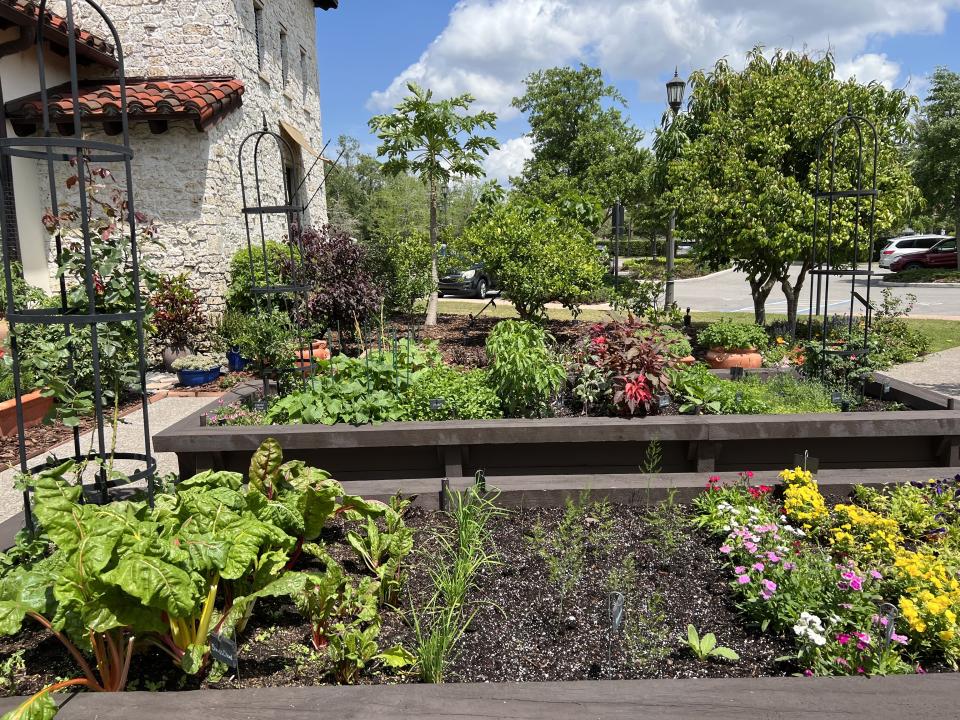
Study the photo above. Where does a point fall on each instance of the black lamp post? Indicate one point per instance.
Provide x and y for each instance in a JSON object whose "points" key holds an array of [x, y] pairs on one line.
{"points": [[675, 88]]}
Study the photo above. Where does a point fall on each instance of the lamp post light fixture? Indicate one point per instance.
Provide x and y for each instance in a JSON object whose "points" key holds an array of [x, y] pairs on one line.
{"points": [[675, 88]]}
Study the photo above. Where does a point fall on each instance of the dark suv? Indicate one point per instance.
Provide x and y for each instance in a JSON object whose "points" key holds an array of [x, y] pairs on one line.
{"points": [[941, 255], [471, 281]]}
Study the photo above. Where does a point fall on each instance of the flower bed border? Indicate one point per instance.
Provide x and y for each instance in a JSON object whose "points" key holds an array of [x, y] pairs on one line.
{"points": [[889, 698]]}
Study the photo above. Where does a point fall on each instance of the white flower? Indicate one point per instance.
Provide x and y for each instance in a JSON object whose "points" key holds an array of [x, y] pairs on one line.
{"points": [[817, 638]]}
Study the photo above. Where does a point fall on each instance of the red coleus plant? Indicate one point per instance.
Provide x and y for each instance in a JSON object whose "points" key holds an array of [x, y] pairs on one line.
{"points": [[636, 355]]}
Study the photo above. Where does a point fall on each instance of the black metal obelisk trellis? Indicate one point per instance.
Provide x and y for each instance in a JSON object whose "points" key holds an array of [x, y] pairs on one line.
{"points": [[277, 286], [70, 149], [846, 189]]}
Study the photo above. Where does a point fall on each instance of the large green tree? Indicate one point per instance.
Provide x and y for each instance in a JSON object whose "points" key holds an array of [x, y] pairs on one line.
{"points": [[438, 141], [937, 159], [581, 141], [745, 185]]}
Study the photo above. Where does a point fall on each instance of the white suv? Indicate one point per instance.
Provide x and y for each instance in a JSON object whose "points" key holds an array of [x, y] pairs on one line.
{"points": [[898, 247]]}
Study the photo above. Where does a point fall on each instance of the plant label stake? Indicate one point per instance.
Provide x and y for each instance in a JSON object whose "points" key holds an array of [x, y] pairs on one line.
{"points": [[436, 404], [615, 608], [736, 373], [890, 613], [806, 462], [444, 492], [224, 649], [480, 481], [663, 401]]}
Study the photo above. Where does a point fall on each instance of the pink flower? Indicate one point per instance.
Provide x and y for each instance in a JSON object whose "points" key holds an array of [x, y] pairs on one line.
{"points": [[901, 639], [808, 673], [920, 670], [739, 570], [843, 638], [758, 566], [725, 549], [750, 546], [743, 579], [773, 557], [789, 566], [860, 670], [770, 585], [876, 575], [842, 661], [862, 637], [856, 584]]}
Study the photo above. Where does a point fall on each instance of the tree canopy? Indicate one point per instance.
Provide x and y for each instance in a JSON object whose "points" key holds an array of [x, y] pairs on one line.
{"points": [[581, 141], [937, 154], [744, 186], [437, 141]]}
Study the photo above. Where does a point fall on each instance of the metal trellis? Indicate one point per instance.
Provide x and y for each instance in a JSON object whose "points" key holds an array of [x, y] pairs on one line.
{"points": [[72, 148]]}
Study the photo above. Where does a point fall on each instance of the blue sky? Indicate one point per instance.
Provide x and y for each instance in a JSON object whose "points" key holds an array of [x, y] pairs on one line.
{"points": [[368, 49]]}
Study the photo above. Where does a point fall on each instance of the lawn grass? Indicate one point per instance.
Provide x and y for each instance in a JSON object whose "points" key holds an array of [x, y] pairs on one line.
{"points": [[926, 275], [942, 334]]}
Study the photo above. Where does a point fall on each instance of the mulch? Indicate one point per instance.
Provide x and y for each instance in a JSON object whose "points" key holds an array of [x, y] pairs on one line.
{"points": [[520, 632]]}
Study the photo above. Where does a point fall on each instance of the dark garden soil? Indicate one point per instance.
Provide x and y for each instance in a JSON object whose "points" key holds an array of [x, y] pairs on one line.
{"points": [[520, 631]]}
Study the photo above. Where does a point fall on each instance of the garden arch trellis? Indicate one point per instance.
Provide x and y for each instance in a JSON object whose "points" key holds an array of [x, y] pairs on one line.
{"points": [[88, 316], [833, 190], [271, 292]]}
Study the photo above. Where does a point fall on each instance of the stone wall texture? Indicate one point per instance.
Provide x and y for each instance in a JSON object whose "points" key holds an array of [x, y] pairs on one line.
{"points": [[189, 180]]}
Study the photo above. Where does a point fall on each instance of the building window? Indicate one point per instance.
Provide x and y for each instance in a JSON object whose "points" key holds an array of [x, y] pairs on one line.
{"points": [[258, 32], [284, 60], [304, 73]]}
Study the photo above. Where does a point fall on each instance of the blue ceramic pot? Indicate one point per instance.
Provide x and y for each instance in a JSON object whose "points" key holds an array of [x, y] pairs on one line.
{"points": [[235, 361], [191, 378]]}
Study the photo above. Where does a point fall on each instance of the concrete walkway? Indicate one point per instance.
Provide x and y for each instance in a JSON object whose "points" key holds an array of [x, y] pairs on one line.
{"points": [[939, 372], [163, 413]]}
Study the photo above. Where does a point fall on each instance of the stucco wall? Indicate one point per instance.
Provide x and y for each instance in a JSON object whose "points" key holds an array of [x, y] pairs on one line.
{"points": [[189, 180]]}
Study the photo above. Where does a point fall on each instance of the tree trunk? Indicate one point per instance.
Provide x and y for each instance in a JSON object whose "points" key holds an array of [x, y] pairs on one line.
{"points": [[792, 294], [432, 302], [760, 290]]}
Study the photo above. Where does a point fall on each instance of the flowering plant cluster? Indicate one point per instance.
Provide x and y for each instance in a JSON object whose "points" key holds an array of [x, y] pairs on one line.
{"points": [[841, 581]]}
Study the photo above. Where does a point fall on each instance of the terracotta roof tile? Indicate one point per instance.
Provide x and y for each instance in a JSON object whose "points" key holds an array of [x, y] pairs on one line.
{"points": [[203, 99], [89, 45]]}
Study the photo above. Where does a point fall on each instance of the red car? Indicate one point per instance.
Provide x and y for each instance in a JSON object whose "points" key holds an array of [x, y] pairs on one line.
{"points": [[941, 255]]}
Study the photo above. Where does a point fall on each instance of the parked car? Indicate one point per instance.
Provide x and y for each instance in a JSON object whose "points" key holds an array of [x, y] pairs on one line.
{"points": [[907, 245], [941, 255], [470, 281]]}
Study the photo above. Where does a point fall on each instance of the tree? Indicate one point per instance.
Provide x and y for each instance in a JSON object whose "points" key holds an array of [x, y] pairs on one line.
{"points": [[539, 253], [937, 161], [436, 141], [744, 187], [578, 144]]}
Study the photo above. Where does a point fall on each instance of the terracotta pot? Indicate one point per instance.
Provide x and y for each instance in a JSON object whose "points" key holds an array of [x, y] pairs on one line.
{"points": [[317, 351], [35, 409], [173, 352], [723, 358], [688, 360]]}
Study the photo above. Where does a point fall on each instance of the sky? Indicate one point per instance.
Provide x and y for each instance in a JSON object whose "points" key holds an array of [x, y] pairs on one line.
{"points": [[368, 50]]}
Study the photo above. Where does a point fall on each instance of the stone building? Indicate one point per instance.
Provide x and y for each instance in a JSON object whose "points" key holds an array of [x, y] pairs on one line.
{"points": [[200, 77]]}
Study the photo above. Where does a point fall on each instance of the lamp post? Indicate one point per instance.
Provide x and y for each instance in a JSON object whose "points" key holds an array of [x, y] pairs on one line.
{"points": [[675, 88]]}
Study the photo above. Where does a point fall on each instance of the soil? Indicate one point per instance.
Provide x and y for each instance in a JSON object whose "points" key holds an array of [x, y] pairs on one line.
{"points": [[521, 631]]}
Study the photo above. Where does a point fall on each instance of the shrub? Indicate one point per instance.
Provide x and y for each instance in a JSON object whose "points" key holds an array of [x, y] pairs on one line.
{"points": [[401, 265], [733, 336], [239, 297], [465, 395], [523, 371], [678, 345], [25, 295], [537, 253], [342, 290], [177, 317], [270, 340]]}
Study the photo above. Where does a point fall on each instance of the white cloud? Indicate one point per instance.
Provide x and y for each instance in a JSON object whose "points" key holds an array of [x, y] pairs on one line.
{"points": [[869, 67], [489, 46], [507, 161]]}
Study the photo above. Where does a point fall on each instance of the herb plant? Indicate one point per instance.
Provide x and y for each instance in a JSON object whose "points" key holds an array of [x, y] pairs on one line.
{"points": [[731, 335], [523, 370], [704, 648], [196, 362]]}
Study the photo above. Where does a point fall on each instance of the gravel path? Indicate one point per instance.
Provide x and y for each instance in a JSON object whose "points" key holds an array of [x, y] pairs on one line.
{"points": [[129, 439], [939, 372]]}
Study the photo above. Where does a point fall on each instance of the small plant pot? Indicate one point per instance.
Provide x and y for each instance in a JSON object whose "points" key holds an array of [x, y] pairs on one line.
{"points": [[235, 361], [724, 358], [317, 350], [171, 353], [688, 360], [192, 378], [35, 409]]}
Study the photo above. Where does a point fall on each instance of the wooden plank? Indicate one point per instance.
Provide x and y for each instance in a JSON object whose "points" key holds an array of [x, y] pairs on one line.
{"points": [[888, 698]]}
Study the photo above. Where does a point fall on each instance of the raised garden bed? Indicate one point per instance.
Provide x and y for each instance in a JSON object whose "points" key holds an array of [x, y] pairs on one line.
{"points": [[587, 445]]}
